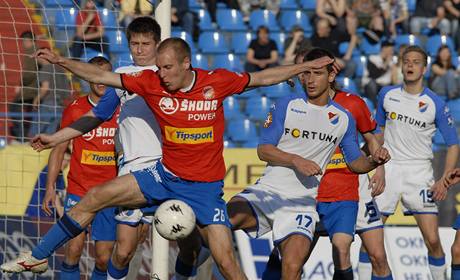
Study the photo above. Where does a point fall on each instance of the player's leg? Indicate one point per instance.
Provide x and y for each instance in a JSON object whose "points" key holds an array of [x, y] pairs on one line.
{"points": [[341, 243], [455, 274], [103, 251], [373, 241], [294, 252], [103, 232], [186, 262], [241, 214], [70, 269], [428, 224]]}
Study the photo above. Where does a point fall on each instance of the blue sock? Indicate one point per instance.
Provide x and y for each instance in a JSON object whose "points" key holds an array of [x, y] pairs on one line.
{"points": [[61, 232], [455, 275], [273, 269], [437, 261], [185, 269], [98, 274], [364, 257], [388, 277], [70, 272], [115, 272]]}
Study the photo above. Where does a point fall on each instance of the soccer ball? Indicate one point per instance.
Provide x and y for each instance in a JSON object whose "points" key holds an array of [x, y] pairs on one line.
{"points": [[174, 219]]}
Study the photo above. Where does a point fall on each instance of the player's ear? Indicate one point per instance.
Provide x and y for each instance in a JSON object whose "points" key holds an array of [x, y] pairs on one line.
{"points": [[187, 63], [331, 77]]}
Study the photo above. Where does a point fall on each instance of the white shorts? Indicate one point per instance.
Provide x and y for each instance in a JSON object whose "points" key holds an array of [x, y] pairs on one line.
{"points": [[133, 217], [369, 216], [282, 216], [410, 182]]}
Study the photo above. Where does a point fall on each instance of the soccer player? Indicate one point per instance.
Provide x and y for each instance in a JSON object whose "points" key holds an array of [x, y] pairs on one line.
{"points": [[410, 114], [92, 163], [299, 137], [187, 103]]}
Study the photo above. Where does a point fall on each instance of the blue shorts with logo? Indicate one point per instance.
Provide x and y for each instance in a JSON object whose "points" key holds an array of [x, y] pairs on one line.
{"points": [[104, 225], [205, 198], [457, 223], [339, 216]]}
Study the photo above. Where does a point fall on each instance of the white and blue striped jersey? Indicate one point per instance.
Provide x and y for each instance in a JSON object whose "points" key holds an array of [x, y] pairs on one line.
{"points": [[410, 122], [139, 132], [296, 126]]}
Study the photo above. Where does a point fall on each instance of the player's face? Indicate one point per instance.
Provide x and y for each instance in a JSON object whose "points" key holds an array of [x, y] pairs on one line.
{"points": [[172, 71], [99, 89], [413, 67], [143, 49], [316, 82]]}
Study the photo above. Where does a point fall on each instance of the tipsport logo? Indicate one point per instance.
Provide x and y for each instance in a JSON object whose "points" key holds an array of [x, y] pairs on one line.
{"points": [[195, 135]]}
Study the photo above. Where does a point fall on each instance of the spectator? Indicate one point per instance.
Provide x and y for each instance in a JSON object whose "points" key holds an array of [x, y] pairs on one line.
{"points": [[334, 11], [396, 16], [453, 14], [212, 7], [131, 9], [378, 71], [429, 14], [295, 42], [248, 6], [262, 52], [100, 3], [54, 89], [444, 78], [90, 31], [324, 38], [26, 92], [182, 16], [367, 14], [396, 72]]}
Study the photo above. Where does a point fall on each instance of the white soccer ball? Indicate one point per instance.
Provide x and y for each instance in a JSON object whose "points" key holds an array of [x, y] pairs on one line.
{"points": [[174, 219]]}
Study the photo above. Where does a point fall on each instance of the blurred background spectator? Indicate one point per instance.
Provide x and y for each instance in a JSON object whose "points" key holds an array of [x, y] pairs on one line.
{"points": [[334, 11], [367, 14], [378, 71], [324, 38], [396, 16], [89, 31], [430, 15], [396, 72], [444, 78], [27, 91], [130, 9], [182, 16], [100, 3], [212, 7], [453, 14], [294, 43], [262, 52], [247, 6]]}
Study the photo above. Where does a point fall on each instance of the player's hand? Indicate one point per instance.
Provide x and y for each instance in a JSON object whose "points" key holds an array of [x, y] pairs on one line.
{"points": [[306, 167], [439, 190], [48, 55], [50, 198], [381, 156], [451, 178], [42, 142], [319, 62], [377, 182]]}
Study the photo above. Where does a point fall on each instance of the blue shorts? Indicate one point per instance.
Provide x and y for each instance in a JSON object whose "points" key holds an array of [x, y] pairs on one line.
{"points": [[457, 223], [338, 217], [104, 225], [205, 198]]}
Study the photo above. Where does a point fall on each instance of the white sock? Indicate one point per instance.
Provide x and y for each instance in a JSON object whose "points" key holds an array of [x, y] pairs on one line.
{"points": [[438, 268], [364, 266]]}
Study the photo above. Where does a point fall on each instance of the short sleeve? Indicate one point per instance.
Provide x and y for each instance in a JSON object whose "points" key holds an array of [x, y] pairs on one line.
{"points": [[253, 44], [364, 120], [107, 105], [445, 123], [229, 82], [349, 144], [67, 116], [273, 126], [143, 82], [79, 20], [97, 20], [273, 46]]}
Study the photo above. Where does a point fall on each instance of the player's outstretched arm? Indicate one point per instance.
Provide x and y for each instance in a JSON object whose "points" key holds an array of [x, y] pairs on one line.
{"points": [[449, 176], [365, 164], [86, 71], [377, 181], [274, 156], [275, 75]]}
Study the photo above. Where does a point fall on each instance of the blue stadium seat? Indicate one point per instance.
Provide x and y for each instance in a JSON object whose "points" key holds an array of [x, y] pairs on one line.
{"points": [[288, 5], [241, 41], [123, 59], [117, 41], [108, 18], [205, 20], [59, 3], [454, 106], [368, 48], [194, 5], [407, 39], [279, 38], [90, 53], [436, 41], [186, 37], [370, 104], [65, 19], [241, 130], [276, 91], [229, 144], [251, 143], [200, 61], [361, 64], [232, 109], [263, 17], [290, 18], [309, 5], [343, 47], [347, 84], [212, 42], [228, 61], [230, 20], [257, 107], [411, 6]]}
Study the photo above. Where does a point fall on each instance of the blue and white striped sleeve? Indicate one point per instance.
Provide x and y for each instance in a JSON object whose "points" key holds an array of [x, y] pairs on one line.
{"points": [[273, 127], [380, 115], [107, 105], [445, 123], [349, 144]]}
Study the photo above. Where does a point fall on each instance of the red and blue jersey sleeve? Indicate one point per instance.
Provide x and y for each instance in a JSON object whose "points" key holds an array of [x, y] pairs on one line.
{"points": [[144, 82]]}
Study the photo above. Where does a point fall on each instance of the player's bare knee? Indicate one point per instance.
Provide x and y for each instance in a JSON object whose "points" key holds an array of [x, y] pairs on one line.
{"points": [[74, 251], [123, 255], [378, 259], [433, 244], [455, 250], [102, 261], [291, 266]]}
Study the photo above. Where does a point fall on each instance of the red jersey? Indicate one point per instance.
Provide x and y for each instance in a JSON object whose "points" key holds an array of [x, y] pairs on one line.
{"points": [[93, 154], [339, 183], [191, 122]]}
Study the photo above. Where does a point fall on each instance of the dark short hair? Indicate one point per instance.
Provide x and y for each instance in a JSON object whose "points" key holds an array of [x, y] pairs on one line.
{"points": [[144, 25], [418, 50], [180, 47], [316, 53], [27, 35], [100, 60], [263, 27]]}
